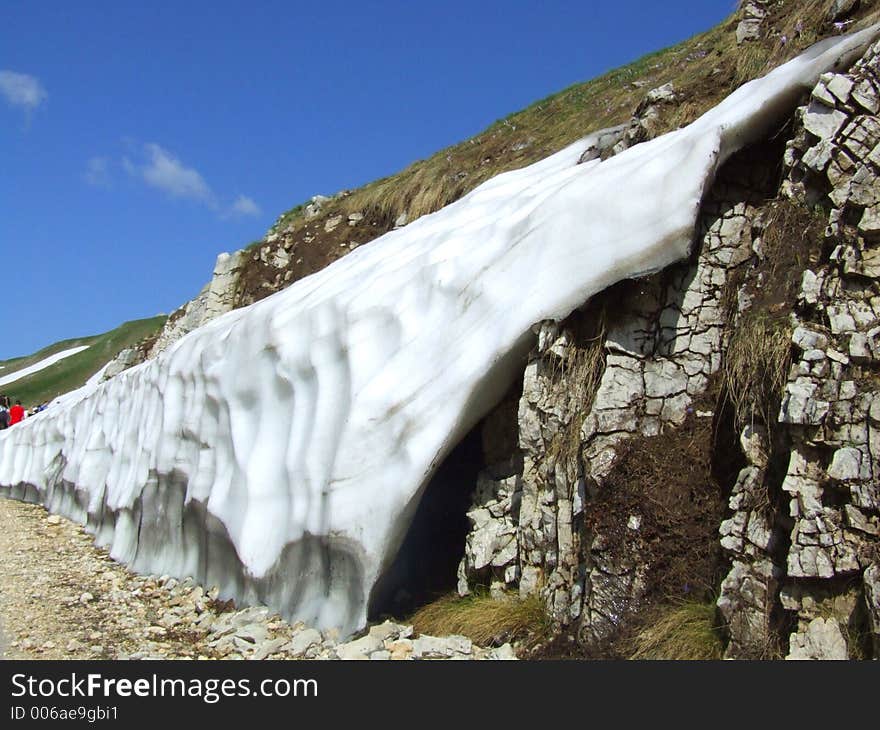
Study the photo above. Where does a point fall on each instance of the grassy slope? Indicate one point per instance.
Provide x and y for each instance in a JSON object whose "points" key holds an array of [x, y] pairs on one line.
{"points": [[703, 69], [74, 371], [7, 367]]}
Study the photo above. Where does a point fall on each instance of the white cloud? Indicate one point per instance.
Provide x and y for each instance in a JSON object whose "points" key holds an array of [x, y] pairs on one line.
{"points": [[98, 172], [157, 167], [243, 206], [22, 90], [166, 172]]}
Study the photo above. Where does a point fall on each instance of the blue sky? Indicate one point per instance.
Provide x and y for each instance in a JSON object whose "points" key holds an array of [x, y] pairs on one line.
{"points": [[139, 140]]}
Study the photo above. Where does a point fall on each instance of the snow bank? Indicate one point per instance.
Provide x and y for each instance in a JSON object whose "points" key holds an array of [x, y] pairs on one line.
{"points": [[98, 376], [42, 365], [280, 450]]}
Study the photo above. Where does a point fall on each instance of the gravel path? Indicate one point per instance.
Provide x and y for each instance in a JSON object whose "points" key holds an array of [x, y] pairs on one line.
{"points": [[63, 598]]}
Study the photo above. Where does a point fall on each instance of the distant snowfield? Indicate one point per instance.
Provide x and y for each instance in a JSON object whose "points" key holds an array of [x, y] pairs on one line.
{"points": [[280, 451], [42, 365]]}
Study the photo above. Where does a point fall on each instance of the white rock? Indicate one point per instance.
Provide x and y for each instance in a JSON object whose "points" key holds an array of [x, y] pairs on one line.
{"points": [[303, 641], [859, 521], [866, 97], [818, 156], [869, 224], [433, 647], [822, 639], [754, 442], [389, 629], [664, 378], [665, 93], [841, 319], [359, 648], [807, 339], [504, 652], [823, 121], [821, 94], [755, 9], [748, 30], [841, 86], [871, 580], [810, 287], [252, 634], [267, 648], [619, 388], [845, 464]]}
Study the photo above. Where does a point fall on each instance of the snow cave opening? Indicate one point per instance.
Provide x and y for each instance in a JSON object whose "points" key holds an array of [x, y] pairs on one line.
{"points": [[427, 561]]}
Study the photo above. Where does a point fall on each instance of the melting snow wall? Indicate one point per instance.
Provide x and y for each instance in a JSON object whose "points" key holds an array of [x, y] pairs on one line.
{"points": [[280, 450]]}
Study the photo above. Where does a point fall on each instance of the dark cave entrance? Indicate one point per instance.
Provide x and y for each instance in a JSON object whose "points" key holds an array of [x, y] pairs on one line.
{"points": [[427, 560]]}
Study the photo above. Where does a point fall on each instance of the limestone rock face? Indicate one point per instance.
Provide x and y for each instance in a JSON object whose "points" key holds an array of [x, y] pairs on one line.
{"points": [[592, 384], [216, 298], [803, 518], [124, 360], [829, 404]]}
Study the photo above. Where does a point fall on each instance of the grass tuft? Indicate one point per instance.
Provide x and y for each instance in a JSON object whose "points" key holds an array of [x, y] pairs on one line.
{"points": [[756, 367], [751, 62], [485, 620], [686, 630]]}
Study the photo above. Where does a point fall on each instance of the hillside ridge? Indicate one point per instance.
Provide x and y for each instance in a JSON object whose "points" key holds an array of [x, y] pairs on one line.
{"points": [[661, 91]]}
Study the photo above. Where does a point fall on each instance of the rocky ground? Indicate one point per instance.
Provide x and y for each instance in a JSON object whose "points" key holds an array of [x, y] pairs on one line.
{"points": [[63, 598]]}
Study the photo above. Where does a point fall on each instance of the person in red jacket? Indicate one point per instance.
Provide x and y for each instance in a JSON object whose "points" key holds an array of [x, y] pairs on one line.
{"points": [[16, 413]]}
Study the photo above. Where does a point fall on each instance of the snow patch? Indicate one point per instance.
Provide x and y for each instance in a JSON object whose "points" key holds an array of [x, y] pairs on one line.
{"points": [[42, 365], [96, 378]]}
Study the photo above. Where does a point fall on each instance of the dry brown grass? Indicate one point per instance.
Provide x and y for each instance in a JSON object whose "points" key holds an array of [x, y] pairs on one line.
{"points": [[696, 67], [685, 630], [533, 133], [703, 69], [578, 372], [759, 353], [752, 61], [792, 238], [801, 23], [756, 367], [485, 620]]}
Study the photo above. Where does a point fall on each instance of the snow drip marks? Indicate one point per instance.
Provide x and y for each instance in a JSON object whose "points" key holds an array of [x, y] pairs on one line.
{"points": [[306, 425]]}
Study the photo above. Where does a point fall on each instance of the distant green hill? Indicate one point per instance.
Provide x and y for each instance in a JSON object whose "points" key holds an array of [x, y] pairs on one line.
{"points": [[72, 372]]}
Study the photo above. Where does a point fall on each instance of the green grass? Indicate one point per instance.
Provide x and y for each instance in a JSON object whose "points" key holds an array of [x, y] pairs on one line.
{"points": [[19, 363], [72, 372]]}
